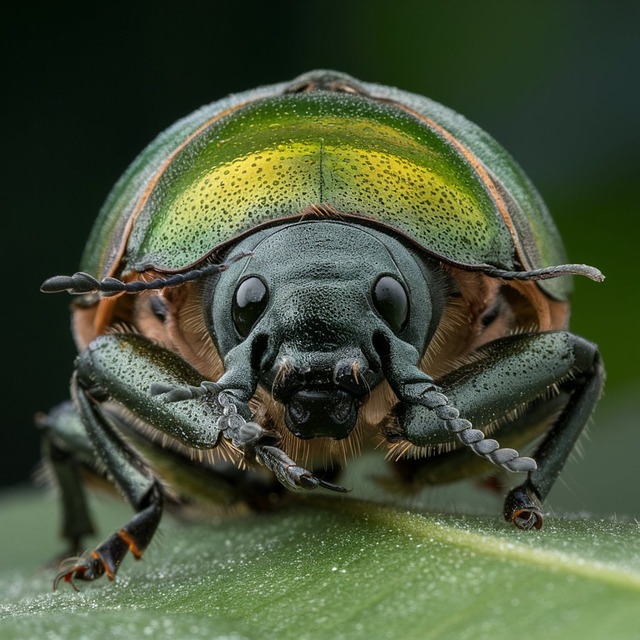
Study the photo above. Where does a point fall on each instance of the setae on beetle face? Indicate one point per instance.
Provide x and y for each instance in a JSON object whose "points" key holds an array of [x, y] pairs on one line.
{"points": [[314, 309]]}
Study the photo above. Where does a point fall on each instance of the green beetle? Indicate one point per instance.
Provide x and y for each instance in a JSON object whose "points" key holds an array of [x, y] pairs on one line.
{"points": [[296, 272]]}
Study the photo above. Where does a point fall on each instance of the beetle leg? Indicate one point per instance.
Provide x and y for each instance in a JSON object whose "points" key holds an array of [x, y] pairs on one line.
{"points": [[585, 387], [509, 377], [250, 437], [138, 485], [120, 367], [68, 449], [159, 387]]}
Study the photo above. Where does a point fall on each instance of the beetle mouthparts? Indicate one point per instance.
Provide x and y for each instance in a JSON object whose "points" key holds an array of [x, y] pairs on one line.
{"points": [[330, 413]]}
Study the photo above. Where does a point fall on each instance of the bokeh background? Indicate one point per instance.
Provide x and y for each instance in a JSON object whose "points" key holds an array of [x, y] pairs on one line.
{"points": [[86, 86]]}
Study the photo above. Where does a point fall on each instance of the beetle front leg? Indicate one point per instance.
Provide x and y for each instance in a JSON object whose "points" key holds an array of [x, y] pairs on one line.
{"points": [[508, 377], [164, 391], [231, 394], [252, 439]]}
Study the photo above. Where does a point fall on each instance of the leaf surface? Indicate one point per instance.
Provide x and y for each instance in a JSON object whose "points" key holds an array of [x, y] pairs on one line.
{"points": [[334, 568]]}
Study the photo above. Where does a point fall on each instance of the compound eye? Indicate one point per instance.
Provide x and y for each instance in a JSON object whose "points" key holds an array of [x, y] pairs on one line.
{"points": [[249, 302], [391, 302]]}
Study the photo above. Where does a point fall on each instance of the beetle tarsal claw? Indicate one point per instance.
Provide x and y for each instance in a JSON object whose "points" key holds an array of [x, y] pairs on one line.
{"points": [[523, 508], [290, 474], [333, 487]]}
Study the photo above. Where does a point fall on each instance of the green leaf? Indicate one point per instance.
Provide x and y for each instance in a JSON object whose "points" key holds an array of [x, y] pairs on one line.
{"points": [[331, 568]]}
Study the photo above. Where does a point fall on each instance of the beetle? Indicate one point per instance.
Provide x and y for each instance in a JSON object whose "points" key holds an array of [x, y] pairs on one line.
{"points": [[299, 271]]}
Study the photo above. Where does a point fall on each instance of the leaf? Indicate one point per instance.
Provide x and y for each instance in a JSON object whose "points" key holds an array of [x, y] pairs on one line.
{"points": [[333, 568]]}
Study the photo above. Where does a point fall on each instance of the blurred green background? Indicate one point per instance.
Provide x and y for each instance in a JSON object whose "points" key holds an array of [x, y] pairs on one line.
{"points": [[85, 88]]}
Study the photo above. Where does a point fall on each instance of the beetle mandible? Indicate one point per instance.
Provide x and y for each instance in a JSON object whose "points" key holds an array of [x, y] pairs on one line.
{"points": [[298, 271]]}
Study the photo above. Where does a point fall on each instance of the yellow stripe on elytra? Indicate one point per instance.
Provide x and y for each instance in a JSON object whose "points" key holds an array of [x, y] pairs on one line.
{"points": [[389, 182]]}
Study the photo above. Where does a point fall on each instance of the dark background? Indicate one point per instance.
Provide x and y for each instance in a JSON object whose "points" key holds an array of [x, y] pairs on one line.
{"points": [[85, 88]]}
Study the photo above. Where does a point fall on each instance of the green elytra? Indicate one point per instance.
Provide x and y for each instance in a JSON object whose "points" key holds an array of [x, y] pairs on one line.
{"points": [[400, 161]]}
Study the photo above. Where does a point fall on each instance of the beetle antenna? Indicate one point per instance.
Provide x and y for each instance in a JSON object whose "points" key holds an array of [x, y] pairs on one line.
{"points": [[548, 272], [81, 283], [413, 386], [475, 439]]}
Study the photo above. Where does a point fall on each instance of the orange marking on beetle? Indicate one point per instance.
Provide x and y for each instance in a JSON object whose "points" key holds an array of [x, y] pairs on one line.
{"points": [[100, 559], [133, 547], [103, 314]]}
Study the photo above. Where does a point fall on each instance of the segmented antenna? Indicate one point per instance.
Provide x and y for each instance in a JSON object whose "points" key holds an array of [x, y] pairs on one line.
{"points": [[81, 283], [475, 439], [548, 272]]}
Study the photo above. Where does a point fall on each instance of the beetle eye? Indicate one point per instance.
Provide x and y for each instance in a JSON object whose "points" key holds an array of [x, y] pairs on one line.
{"points": [[391, 302], [249, 302]]}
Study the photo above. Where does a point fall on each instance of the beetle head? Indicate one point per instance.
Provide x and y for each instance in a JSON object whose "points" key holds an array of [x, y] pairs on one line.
{"points": [[313, 313]]}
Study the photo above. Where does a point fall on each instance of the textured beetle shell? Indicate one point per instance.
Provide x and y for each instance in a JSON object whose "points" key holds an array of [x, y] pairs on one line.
{"points": [[398, 160]]}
